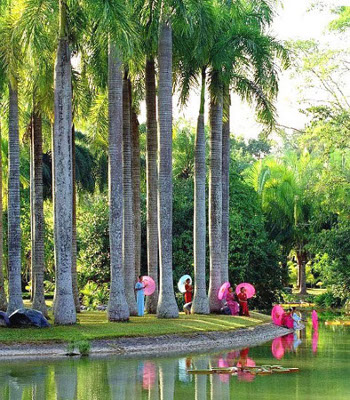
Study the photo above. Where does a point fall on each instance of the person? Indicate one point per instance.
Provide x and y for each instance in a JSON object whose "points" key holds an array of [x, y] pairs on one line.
{"points": [[189, 290], [140, 297], [287, 319], [243, 302], [232, 301], [296, 320], [187, 308]]}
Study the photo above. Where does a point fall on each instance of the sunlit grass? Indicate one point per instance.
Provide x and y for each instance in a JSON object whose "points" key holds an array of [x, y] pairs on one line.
{"points": [[94, 325]]}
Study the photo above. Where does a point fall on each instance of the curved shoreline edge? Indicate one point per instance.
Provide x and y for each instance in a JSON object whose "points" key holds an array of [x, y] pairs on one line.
{"points": [[151, 346]]}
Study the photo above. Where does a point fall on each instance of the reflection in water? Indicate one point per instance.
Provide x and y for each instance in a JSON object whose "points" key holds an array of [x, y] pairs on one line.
{"points": [[287, 343], [66, 378], [315, 341], [168, 379]]}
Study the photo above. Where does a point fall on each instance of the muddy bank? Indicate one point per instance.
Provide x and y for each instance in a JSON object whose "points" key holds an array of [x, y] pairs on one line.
{"points": [[152, 346]]}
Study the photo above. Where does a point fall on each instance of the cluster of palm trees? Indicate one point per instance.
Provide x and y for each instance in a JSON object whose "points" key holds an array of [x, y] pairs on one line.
{"points": [[124, 52]]}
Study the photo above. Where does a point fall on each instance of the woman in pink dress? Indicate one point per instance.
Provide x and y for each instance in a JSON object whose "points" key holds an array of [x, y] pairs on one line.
{"points": [[231, 301]]}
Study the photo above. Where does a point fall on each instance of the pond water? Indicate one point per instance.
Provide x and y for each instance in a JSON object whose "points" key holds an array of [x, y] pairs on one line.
{"points": [[323, 359]]}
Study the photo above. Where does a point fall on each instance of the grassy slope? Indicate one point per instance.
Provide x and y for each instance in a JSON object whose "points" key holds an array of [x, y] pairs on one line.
{"points": [[94, 325]]}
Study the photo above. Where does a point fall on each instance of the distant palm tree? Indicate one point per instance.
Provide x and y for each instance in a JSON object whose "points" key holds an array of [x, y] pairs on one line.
{"points": [[282, 186]]}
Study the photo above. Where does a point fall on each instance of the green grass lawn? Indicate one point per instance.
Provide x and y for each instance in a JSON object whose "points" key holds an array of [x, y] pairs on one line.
{"points": [[94, 325]]}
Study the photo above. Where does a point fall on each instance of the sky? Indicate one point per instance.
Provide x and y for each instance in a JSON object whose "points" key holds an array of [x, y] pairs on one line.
{"points": [[297, 19]]}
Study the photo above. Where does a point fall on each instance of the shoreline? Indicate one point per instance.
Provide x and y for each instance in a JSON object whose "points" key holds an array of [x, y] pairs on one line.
{"points": [[142, 346]]}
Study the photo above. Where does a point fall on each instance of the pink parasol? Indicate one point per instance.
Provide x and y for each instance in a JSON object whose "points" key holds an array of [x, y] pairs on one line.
{"points": [[277, 315], [223, 290], [314, 320], [250, 289], [150, 285], [277, 348]]}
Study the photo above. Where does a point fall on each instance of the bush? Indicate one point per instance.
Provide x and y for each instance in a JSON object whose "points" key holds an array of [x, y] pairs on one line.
{"points": [[327, 300]]}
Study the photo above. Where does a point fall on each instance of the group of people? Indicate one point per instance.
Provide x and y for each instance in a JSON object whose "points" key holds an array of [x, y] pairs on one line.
{"points": [[235, 304], [291, 320]]}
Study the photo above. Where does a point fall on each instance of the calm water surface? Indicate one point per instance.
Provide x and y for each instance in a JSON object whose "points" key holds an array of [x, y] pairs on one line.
{"points": [[323, 359]]}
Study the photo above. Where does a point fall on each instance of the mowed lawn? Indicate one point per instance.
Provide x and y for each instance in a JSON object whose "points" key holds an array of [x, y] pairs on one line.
{"points": [[94, 325]]}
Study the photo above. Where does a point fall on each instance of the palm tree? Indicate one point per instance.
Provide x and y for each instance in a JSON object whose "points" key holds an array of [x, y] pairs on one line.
{"points": [[167, 307], [215, 190], [64, 307], [128, 222], [38, 261], [118, 309], [3, 301], [200, 303], [152, 183], [283, 186], [136, 188], [194, 58], [225, 185]]}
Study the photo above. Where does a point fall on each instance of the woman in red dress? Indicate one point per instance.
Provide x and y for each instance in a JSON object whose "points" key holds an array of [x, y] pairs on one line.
{"points": [[243, 302], [188, 294]]}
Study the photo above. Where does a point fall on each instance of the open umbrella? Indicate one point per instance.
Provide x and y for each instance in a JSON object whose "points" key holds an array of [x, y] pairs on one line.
{"points": [[150, 285], [250, 289], [182, 282], [277, 315], [223, 290]]}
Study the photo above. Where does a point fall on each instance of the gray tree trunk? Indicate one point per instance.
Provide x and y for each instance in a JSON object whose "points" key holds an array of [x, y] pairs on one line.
{"points": [[167, 307], [64, 307], [74, 230], [200, 303], [128, 221], [38, 222], [118, 309], [14, 205], [152, 184], [3, 301], [225, 185], [136, 189], [215, 199]]}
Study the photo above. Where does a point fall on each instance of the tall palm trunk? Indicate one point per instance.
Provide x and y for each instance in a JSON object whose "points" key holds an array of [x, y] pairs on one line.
{"points": [[14, 204], [74, 229], [225, 185], [215, 198], [118, 309], [3, 302], [152, 183], [302, 260], [128, 222], [38, 223], [167, 307], [64, 308], [136, 187], [200, 303]]}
